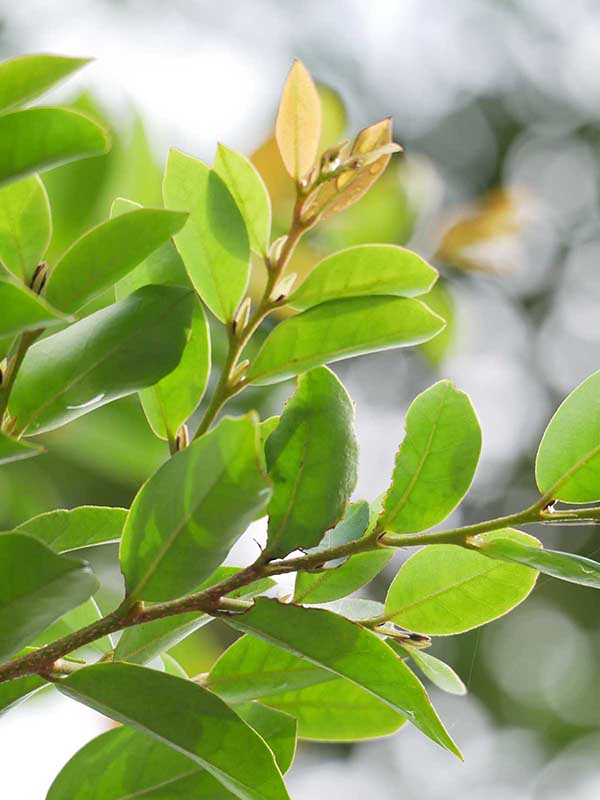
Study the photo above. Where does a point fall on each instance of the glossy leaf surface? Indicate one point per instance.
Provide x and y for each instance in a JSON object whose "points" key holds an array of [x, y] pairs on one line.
{"points": [[25, 226], [341, 329], [26, 77], [311, 458], [107, 355]]}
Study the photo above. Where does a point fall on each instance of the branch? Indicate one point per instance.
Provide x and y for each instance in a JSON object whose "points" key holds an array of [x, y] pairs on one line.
{"points": [[214, 600]]}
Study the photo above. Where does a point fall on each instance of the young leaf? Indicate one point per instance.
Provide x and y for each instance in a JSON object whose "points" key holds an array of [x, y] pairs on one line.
{"points": [[337, 711], [107, 355], [14, 692], [24, 78], [564, 566], [311, 458], [334, 582], [39, 138], [187, 516], [249, 192], [445, 589], [368, 269], [439, 673], [141, 643], [298, 125], [15, 449], [252, 668], [568, 459], [351, 652], [106, 253], [266, 428], [162, 266], [338, 194], [213, 243], [63, 530], [23, 310], [36, 588], [173, 400], [341, 329], [436, 461], [25, 225], [276, 727], [186, 717]]}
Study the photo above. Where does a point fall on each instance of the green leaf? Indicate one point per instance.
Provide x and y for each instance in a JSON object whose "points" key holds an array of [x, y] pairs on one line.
{"points": [[173, 667], [440, 674], [15, 449], [14, 692], [173, 400], [436, 461], [22, 310], [106, 253], [107, 355], [40, 138], [355, 608], [369, 269], [334, 582], [266, 428], [341, 329], [337, 711], [185, 716], [187, 516], [564, 566], [277, 728], [444, 589], [24, 78], [25, 225], [250, 194], [163, 265], [123, 763], [36, 588], [213, 243], [299, 119], [348, 650], [141, 643], [567, 466], [252, 668], [311, 458], [63, 530]]}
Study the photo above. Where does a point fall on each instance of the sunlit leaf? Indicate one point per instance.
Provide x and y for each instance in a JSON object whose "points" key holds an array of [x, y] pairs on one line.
{"points": [[311, 458], [444, 589], [341, 329], [40, 138], [250, 194], [110, 354], [16, 449], [439, 673], [26, 77], [25, 225], [188, 515], [298, 126], [436, 461], [22, 310], [350, 651], [106, 253], [370, 269], [568, 459], [213, 243]]}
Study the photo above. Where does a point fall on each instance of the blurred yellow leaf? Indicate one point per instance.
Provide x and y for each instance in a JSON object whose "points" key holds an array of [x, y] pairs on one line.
{"points": [[298, 126], [495, 216]]}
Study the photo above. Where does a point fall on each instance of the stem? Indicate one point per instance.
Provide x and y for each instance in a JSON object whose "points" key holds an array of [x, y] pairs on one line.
{"points": [[25, 341], [213, 600], [238, 339]]}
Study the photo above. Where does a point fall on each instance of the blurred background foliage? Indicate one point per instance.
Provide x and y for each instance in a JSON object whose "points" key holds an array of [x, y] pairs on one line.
{"points": [[497, 105]]}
